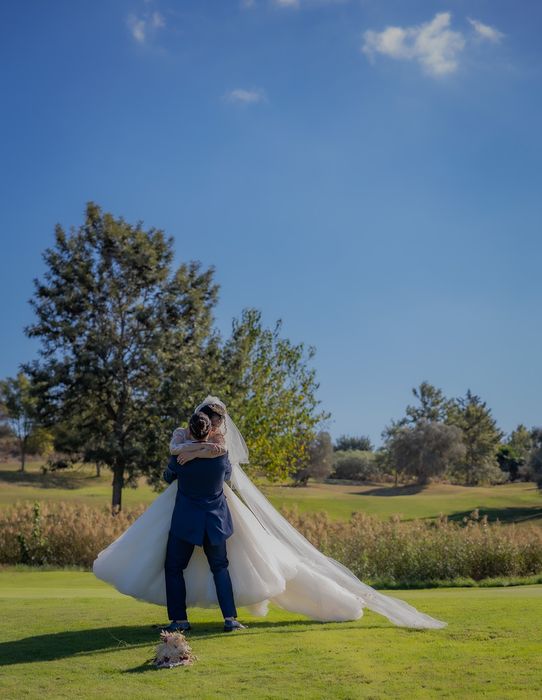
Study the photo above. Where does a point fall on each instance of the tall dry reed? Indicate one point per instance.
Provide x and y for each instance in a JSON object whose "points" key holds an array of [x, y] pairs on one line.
{"points": [[412, 552], [378, 551]]}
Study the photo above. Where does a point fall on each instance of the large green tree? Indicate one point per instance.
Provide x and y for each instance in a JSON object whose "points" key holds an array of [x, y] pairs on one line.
{"points": [[271, 392], [481, 437], [426, 449], [402, 435], [128, 349], [121, 334]]}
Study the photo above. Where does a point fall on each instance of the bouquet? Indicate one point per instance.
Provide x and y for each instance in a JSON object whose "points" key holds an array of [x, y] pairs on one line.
{"points": [[173, 650]]}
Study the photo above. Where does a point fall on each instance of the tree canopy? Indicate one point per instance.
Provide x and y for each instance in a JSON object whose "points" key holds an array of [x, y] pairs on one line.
{"points": [[128, 348]]}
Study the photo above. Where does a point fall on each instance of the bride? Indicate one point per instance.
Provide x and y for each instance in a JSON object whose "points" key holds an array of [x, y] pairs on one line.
{"points": [[270, 561]]}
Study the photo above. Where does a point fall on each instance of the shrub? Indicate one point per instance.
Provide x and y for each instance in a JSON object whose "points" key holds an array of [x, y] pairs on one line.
{"points": [[58, 533], [392, 551], [356, 465], [385, 553]]}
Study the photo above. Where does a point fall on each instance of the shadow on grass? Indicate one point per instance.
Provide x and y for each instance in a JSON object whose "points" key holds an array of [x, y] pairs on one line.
{"points": [[511, 514], [45, 481], [407, 490], [60, 645]]}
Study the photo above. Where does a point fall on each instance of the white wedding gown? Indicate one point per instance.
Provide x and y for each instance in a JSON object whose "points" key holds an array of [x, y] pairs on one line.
{"points": [[270, 561], [262, 569]]}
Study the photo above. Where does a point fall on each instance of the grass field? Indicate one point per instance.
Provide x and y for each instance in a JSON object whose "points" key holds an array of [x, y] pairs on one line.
{"points": [[65, 634], [509, 502]]}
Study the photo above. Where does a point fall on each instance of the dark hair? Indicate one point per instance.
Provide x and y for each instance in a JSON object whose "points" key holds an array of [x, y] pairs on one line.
{"points": [[200, 425], [215, 412]]}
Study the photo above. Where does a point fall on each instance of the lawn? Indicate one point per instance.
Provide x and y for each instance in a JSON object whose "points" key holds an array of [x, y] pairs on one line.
{"points": [[509, 502], [64, 634]]}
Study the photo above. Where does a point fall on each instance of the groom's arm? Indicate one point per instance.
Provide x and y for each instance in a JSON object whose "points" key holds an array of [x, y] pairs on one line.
{"points": [[170, 473]]}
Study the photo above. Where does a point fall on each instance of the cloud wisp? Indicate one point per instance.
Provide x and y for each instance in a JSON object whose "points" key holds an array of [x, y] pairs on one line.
{"points": [[434, 45], [245, 96], [486, 31], [144, 26]]}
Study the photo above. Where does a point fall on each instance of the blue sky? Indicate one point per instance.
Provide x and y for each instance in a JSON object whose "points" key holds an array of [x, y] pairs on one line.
{"points": [[368, 171]]}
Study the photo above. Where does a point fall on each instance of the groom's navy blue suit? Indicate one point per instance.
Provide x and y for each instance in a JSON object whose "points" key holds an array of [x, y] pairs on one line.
{"points": [[200, 517]]}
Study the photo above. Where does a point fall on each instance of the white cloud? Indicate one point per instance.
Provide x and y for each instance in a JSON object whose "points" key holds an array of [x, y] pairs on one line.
{"points": [[287, 3], [432, 44], [143, 26], [247, 4], [137, 28], [244, 96], [485, 31], [157, 20]]}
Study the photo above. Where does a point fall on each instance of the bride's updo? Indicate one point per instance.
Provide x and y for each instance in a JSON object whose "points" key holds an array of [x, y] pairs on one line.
{"points": [[215, 412], [200, 425]]}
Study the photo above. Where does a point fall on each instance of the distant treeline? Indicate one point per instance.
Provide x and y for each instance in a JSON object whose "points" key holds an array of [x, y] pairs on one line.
{"points": [[438, 438]]}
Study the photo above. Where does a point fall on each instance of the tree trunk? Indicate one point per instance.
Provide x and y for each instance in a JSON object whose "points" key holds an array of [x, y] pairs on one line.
{"points": [[23, 455], [118, 483], [98, 469]]}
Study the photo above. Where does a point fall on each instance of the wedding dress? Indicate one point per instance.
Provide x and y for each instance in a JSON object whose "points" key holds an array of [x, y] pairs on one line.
{"points": [[270, 561]]}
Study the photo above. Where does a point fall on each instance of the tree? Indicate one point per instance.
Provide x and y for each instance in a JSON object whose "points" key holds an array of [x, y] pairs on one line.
{"points": [[481, 437], [320, 461], [433, 405], [509, 461], [114, 321], [271, 390], [40, 442], [18, 410], [426, 449], [432, 408], [352, 442], [521, 441], [535, 457]]}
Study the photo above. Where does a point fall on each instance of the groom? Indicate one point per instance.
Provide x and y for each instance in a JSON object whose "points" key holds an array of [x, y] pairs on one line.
{"points": [[200, 517]]}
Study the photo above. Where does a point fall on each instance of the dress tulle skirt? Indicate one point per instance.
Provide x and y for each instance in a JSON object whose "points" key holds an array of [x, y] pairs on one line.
{"points": [[262, 569]]}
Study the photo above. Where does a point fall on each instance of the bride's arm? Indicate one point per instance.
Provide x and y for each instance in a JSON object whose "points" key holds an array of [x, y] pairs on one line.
{"points": [[178, 439], [214, 446], [179, 444]]}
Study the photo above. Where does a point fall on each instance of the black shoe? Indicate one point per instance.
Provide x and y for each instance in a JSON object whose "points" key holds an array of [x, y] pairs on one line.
{"points": [[177, 627], [231, 625]]}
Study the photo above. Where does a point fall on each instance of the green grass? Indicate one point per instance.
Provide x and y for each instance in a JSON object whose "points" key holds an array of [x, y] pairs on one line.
{"points": [[509, 502], [66, 634]]}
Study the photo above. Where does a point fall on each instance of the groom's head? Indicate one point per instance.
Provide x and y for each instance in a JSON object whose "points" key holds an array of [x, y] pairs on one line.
{"points": [[200, 425]]}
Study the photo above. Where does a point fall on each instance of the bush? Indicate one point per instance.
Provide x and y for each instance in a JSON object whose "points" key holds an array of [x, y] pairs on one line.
{"points": [[391, 552], [62, 534], [385, 553], [356, 465]]}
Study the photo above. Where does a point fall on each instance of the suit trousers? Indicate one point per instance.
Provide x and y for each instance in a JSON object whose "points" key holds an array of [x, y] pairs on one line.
{"points": [[178, 555]]}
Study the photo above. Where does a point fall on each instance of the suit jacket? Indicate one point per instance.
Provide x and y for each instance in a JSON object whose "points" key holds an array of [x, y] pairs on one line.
{"points": [[200, 503]]}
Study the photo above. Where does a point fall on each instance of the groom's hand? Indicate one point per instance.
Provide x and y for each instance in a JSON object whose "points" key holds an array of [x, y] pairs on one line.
{"points": [[169, 476]]}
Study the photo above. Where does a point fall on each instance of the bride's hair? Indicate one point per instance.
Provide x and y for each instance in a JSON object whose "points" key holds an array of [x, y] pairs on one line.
{"points": [[200, 425], [215, 412]]}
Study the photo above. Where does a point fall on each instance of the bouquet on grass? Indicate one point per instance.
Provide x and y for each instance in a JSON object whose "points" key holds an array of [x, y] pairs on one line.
{"points": [[173, 650]]}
